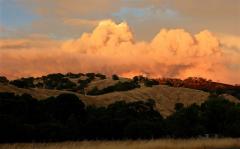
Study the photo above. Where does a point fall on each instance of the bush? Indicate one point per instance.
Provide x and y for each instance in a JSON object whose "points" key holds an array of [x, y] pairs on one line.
{"points": [[57, 81], [125, 86], [120, 86], [63, 106], [3, 80], [186, 122], [91, 76], [178, 106], [215, 114], [101, 76], [54, 76], [83, 83], [135, 79], [65, 117], [23, 82], [72, 75], [66, 84], [142, 130], [115, 77], [150, 82]]}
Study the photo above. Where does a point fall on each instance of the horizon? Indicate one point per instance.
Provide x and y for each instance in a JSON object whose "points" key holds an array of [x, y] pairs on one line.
{"points": [[126, 77]]}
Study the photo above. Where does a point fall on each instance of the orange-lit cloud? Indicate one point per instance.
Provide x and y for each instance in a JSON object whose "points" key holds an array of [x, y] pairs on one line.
{"points": [[111, 48], [34, 42]]}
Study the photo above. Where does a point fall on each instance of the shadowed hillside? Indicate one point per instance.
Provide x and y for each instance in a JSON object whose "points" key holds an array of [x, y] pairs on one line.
{"points": [[65, 117]]}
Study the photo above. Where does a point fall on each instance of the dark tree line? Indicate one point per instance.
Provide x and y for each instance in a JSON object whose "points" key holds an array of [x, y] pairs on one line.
{"points": [[63, 82], [146, 81], [204, 85], [56, 81], [65, 117], [119, 86]]}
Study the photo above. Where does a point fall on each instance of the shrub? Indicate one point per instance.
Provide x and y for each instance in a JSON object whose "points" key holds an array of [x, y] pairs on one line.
{"points": [[101, 76], [178, 106], [65, 84], [142, 130], [91, 76], [23, 82], [54, 76], [3, 80], [150, 82], [115, 77], [72, 75], [120, 86], [65, 117], [83, 83], [186, 122], [135, 79], [57, 81], [124, 86]]}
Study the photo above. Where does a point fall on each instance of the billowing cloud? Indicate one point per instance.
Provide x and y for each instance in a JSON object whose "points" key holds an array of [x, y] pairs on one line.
{"points": [[111, 48], [230, 41]]}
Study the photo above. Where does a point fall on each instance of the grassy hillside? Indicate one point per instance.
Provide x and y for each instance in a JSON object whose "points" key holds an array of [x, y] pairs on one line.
{"points": [[139, 113], [165, 96]]}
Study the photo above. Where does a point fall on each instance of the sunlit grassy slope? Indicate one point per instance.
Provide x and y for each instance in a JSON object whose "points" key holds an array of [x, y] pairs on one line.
{"points": [[165, 96], [150, 144]]}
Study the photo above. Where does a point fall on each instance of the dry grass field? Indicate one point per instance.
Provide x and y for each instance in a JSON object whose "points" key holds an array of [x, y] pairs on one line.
{"points": [[226, 143], [166, 97]]}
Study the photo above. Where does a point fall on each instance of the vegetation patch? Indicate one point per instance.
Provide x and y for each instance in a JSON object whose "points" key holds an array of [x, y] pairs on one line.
{"points": [[65, 117], [119, 86]]}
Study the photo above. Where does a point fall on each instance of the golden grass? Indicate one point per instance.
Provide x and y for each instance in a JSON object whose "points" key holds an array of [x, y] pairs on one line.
{"points": [[165, 96], [226, 143], [100, 84]]}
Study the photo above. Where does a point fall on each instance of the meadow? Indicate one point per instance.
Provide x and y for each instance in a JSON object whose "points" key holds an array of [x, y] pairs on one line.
{"points": [[224, 143]]}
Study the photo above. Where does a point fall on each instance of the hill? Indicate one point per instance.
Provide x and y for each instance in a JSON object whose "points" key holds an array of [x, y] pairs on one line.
{"points": [[99, 90]]}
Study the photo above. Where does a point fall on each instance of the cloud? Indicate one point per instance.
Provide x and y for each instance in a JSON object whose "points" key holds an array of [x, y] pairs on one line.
{"points": [[106, 34], [33, 42], [230, 41], [53, 18], [111, 48], [63, 8], [81, 22]]}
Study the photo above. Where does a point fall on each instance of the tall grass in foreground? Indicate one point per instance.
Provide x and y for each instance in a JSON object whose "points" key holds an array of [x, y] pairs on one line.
{"points": [[226, 143]]}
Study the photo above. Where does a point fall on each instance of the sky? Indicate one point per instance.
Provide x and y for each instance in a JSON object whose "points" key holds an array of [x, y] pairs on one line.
{"points": [[157, 38]]}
